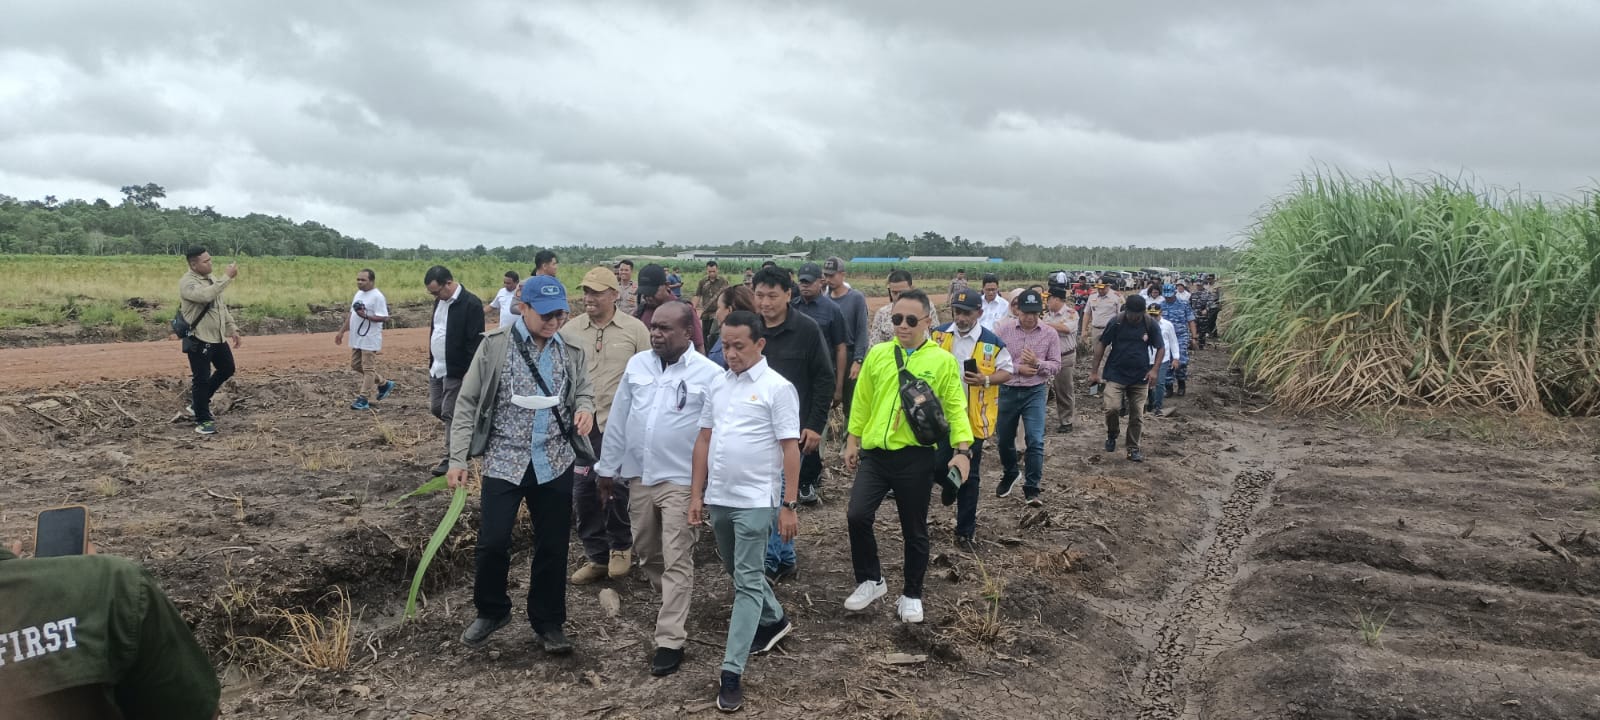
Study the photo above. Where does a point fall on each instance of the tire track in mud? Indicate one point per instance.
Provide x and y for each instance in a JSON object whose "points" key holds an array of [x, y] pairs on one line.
{"points": [[1195, 626]]}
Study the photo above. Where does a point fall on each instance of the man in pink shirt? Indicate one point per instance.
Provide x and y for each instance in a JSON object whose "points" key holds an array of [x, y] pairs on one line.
{"points": [[1036, 353]]}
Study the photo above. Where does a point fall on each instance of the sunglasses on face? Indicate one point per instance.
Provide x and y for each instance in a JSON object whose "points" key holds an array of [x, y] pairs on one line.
{"points": [[908, 320], [552, 315]]}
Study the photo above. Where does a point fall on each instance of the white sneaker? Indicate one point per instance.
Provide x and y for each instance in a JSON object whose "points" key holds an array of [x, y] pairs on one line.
{"points": [[909, 609], [864, 595]]}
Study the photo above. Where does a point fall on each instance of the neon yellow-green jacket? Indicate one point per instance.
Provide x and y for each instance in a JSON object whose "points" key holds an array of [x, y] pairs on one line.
{"points": [[875, 414]]}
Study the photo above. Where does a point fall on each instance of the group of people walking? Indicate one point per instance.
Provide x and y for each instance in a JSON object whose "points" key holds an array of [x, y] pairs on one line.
{"points": [[629, 425]]}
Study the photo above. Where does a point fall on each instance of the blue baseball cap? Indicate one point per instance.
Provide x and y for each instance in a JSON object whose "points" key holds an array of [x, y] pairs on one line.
{"points": [[544, 294], [1168, 290]]}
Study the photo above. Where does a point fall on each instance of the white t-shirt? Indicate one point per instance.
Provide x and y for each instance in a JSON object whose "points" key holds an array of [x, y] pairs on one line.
{"points": [[749, 414], [365, 334], [502, 302]]}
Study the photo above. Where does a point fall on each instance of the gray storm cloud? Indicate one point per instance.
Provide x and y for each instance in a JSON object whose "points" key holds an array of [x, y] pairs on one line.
{"points": [[498, 123]]}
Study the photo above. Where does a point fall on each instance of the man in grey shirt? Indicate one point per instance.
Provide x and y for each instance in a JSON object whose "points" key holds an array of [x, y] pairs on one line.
{"points": [[854, 307]]}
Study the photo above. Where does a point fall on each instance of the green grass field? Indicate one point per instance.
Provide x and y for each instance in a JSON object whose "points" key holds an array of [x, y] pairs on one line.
{"points": [[47, 290]]}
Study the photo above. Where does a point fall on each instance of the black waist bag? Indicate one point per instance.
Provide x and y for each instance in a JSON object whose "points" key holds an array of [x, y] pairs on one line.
{"points": [[923, 412], [185, 329]]}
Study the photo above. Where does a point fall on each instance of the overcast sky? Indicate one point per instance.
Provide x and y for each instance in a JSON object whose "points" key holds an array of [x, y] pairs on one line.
{"points": [[508, 123]]}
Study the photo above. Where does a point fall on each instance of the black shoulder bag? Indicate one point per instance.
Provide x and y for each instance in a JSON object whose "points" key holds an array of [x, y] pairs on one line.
{"points": [[185, 329], [581, 447], [923, 412]]}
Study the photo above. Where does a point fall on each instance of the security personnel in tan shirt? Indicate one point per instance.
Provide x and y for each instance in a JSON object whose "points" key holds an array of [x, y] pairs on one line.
{"points": [[608, 338], [1102, 308]]}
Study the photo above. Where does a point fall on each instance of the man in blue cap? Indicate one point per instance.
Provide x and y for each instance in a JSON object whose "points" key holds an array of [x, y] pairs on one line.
{"points": [[1177, 310], [527, 448]]}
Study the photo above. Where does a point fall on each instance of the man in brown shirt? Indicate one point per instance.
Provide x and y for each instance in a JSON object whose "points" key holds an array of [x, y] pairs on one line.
{"points": [[212, 326], [705, 295], [608, 338]]}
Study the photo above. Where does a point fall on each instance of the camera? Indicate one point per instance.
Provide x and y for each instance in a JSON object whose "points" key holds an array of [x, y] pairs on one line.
{"points": [[359, 307]]}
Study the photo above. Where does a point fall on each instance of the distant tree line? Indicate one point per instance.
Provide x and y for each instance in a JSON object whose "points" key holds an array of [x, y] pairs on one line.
{"points": [[139, 225]]}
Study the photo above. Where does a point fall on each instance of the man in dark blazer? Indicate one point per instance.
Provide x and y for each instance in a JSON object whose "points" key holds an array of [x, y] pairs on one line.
{"points": [[456, 328]]}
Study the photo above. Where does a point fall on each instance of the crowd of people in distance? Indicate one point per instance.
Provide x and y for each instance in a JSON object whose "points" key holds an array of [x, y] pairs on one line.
{"points": [[649, 413]]}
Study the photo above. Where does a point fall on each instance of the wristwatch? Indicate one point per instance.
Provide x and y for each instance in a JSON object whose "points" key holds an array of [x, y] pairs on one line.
{"points": [[965, 453], [792, 506]]}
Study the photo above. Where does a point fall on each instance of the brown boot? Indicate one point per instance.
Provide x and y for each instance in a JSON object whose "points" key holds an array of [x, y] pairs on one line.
{"points": [[590, 572], [621, 563]]}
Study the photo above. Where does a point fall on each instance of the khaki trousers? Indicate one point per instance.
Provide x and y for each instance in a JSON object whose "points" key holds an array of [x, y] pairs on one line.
{"points": [[1061, 387], [664, 544], [365, 362], [1113, 396]]}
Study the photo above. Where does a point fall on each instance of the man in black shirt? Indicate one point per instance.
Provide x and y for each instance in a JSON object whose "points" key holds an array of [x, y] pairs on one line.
{"points": [[814, 303], [798, 351], [1129, 370]]}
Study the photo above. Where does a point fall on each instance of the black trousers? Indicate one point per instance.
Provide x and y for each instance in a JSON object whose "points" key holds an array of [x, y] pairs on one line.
{"points": [[909, 472], [601, 528], [206, 382], [550, 507]]}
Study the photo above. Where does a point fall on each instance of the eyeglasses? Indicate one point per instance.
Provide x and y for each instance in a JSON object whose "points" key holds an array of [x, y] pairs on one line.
{"points": [[599, 339], [552, 315], [909, 320]]}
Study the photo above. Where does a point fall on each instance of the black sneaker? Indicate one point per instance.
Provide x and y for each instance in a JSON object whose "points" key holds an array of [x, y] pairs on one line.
{"points": [[666, 661], [1007, 479], [556, 642], [477, 634], [787, 571], [1183, 388], [387, 388], [730, 698], [1064, 428], [808, 495], [1135, 456], [1111, 444], [442, 468], [966, 543], [767, 636]]}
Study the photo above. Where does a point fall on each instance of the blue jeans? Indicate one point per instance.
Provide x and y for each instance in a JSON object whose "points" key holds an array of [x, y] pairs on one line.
{"points": [[1025, 404], [1158, 391], [780, 553]]}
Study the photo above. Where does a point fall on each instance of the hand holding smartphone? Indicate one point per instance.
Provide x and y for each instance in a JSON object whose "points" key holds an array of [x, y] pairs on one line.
{"points": [[62, 531]]}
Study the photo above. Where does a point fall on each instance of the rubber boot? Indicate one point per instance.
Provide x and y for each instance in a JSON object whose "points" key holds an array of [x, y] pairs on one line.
{"points": [[1183, 388]]}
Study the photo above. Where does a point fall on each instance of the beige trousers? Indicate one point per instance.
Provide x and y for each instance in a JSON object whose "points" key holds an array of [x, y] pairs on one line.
{"points": [[366, 363], [664, 544]]}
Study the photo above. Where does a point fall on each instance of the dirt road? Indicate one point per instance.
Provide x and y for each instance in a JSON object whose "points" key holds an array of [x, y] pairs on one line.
{"points": [[76, 364], [40, 367]]}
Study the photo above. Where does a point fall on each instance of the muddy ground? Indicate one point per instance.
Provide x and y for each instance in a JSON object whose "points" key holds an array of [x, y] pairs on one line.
{"points": [[1242, 572]]}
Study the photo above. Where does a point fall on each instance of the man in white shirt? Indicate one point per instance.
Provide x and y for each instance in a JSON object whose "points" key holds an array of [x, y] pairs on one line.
{"points": [[654, 416], [1169, 339], [995, 307], [746, 459], [454, 332], [368, 312], [506, 299]]}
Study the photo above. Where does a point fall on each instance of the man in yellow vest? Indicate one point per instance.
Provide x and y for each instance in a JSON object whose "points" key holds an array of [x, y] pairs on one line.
{"points": [[972, 344]]}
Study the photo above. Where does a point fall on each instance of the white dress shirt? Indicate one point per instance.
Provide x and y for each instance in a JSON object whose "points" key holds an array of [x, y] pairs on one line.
{"points": [[963, 343], [994, 311], [749, 415], [441, 318], [1169, 341], [655, 417]]}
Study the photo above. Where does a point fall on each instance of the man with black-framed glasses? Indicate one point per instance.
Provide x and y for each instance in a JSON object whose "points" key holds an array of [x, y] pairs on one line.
{"points": [[608, 338], [454, 332]]}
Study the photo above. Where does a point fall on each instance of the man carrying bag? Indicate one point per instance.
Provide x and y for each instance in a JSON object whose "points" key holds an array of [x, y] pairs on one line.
{"points": [[211, 326]]}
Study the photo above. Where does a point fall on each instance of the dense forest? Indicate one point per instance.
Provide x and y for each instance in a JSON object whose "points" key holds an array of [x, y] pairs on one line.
{"points": [[138, 224]]}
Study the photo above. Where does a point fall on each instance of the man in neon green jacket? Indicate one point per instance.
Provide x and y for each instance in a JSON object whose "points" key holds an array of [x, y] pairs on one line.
{"points": [[884, 453]]}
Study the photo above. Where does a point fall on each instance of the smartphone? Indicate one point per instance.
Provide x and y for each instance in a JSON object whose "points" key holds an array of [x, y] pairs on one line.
{"points": [[62, 531], [970, 365]]}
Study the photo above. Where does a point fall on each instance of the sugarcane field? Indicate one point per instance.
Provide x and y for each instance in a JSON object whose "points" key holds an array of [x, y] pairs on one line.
{"points": [[1371, 493]]}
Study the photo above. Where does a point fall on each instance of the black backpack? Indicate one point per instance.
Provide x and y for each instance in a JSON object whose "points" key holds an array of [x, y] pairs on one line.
{"points": [[923, 412]]}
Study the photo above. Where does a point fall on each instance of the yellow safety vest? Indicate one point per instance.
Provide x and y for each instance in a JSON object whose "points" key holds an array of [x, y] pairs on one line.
{"points": [[983, 403]]}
